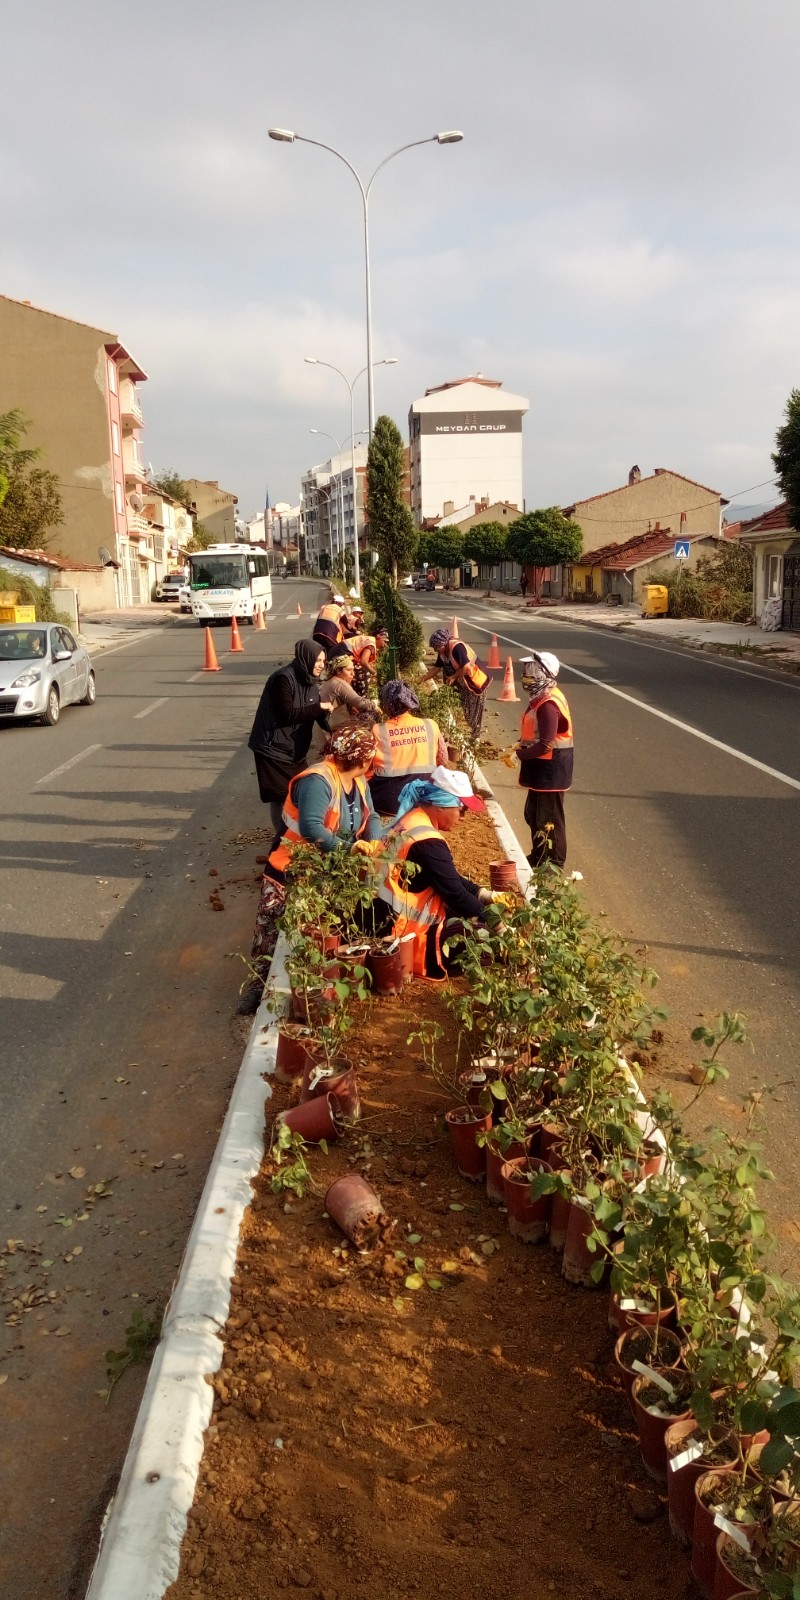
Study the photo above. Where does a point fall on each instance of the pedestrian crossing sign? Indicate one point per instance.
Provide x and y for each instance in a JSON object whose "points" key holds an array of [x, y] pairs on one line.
{"points": [[682, 549]]}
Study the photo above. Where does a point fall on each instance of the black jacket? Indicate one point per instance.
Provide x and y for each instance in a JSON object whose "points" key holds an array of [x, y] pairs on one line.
{"points": [[284, 721]]}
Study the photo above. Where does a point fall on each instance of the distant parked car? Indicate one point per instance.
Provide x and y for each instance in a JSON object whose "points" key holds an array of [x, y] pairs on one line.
{"points": [[42, 669], [169, 588], [407, 582]]}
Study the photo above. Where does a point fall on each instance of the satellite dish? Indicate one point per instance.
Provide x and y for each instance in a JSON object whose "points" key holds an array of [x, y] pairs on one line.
{"points": [[103, 556], [136, 501]]}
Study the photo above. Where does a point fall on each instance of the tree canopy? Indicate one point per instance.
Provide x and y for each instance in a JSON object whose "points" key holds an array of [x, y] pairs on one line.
{"points": [[201, 538], [30, 498], [544, 538], [486, 543], [442, 547], [786, 458], [170, 483], [391, 528]]}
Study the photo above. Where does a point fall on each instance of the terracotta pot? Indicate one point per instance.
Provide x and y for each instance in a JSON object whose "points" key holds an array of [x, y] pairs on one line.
{"points": [[503, 876], [341, 1083], [406, 948], [298, 1006], [357, 1210], [653, 1427], [550, 1133], [726, 1583], [652, 1158], [317, 1073], [669, 1355], [495, 1161], [527, 1219], [579, 1260], [621, 1318], [559, 1221], [463, 1126], [290, 1056], [316, 1119], [387, 971], [328, 943], [705, 1533], [681, 1481]]}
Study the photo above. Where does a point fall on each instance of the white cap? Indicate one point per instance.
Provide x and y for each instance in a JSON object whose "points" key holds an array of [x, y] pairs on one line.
{"points": [[338, 599], [353, 593], [457, 783], [550, 662]]}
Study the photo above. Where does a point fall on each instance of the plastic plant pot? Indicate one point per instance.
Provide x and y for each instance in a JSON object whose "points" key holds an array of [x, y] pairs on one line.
{"points": [[636, 1344], [357, 1210], [705, 1531], [463, 1126], [727, 1585], [315, 1120], [652, 1423], [682, 1478], [290, 1056], [528, 1219], [388, 971], [652, 1158], [578, 1260], [495, 1161], [503, 876], [637, 1311], [318, 1076]]}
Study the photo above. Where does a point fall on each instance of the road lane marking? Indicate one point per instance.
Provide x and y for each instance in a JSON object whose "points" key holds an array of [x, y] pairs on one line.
{"points": [[685, 727], [196, 675], [65, 765], [154, 707]]}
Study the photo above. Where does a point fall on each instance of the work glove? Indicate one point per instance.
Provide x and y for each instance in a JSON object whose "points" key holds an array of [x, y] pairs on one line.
{"points": [[485, 897], [368, 847]]}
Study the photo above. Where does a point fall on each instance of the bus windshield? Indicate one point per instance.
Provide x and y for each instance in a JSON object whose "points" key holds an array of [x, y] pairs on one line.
{"points": [[218, 572]]}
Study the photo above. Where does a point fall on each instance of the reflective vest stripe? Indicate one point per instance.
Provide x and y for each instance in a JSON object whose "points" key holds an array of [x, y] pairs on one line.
{"points": [[412, 912], [405, 745], [530, 724], [281, 855], [472, 675]]}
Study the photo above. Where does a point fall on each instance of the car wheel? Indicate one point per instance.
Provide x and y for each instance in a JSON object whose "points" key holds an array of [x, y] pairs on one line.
{"points": [[52, 712], [91, 691]]}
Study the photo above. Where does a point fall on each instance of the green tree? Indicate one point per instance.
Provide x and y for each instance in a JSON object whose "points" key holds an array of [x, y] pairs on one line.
{"points": [[30, 499], [169, 483], [201, 538], [391, 529], [445, 547], [486, 543], [786, 458], [544, 538]]}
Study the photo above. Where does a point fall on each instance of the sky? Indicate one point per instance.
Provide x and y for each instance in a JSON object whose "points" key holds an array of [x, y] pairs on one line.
{"points": [[617, 238]]}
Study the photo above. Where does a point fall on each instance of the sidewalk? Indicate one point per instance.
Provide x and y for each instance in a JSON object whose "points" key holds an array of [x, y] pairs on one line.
{"points": [[100, 629], [741, 639]]}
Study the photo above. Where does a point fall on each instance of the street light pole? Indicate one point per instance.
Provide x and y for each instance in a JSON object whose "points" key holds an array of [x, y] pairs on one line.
{"points": [[288, 136], [388, 361]]}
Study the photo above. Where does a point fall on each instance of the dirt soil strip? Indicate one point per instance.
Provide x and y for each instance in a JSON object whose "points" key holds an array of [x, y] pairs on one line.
{"points": [[409, 1442]]}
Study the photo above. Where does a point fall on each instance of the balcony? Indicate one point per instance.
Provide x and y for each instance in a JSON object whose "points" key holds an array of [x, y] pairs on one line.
{"points": [[135, 471], [130, 409], [138, 526]]}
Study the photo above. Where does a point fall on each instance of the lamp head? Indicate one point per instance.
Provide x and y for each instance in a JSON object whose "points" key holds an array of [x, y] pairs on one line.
{"points": [[283, 135], [313, 361], [389, 361], [451, 136]]}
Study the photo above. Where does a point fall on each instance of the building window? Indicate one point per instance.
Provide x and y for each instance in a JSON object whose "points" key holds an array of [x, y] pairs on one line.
{"points": [[118, 496], [115, 438], [773, 577], [112, 377]]}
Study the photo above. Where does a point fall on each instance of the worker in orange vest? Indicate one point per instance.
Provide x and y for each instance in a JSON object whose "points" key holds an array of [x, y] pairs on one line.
{"points": [[459, 667], [545, 752], [328, 629], [365, 649], [329, 803], [406, 746]]}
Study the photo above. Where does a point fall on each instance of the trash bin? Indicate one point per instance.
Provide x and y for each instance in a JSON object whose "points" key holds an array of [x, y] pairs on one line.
{"points": [[656, 600]]}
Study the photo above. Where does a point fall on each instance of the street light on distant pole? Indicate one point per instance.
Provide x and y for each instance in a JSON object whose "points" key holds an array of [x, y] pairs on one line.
{"points": [[388, 361], [288, 136], [340, 541]]}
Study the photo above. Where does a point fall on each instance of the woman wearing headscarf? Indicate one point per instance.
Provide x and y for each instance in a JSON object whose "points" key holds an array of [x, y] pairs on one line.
{"points": [[459, 667], [328, 630], [365, 649], [407, 746], [339, 676], [329, 803], [291, 702], [435, 894]]}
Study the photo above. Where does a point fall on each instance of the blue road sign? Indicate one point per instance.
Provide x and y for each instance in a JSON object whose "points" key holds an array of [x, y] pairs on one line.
{"points": [[682, 549]]}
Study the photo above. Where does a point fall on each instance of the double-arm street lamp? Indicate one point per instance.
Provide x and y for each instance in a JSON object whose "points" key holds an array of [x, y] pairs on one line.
{"points": [[287, 136], [388, 361]]}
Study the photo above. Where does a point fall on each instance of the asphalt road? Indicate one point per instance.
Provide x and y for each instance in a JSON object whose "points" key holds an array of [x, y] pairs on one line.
{"points": [[689, 849], [117, 1045]]}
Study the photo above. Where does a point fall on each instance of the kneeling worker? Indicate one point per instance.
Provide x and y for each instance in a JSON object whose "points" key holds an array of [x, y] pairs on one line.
{"points": [[545, 752], [328, 630], [407, 746]]}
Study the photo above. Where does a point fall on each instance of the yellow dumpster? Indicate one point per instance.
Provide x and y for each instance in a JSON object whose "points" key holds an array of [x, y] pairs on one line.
{"points": [[11, 612], [656, 599]]}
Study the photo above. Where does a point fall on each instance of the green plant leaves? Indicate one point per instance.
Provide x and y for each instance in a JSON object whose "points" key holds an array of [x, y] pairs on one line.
{"points": [[776, 1454]]}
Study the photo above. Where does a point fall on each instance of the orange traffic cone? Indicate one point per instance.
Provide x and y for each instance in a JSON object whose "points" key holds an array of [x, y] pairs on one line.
{"points": [[237, 648], [508, 692], [212, 664], [454, 628], [494, 654], [260, 624], [299, 611]]}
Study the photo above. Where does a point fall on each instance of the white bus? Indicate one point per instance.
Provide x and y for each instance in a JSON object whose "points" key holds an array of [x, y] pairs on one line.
{"points": [[229, 580]]}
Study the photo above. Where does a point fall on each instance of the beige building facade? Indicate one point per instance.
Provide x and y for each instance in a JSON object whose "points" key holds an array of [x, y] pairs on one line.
{"points": [[663, 502], [214, 507]]}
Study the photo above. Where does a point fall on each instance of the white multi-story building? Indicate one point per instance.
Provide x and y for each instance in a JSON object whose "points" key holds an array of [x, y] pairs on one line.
{"points": [[465, 443], [328, 505]]}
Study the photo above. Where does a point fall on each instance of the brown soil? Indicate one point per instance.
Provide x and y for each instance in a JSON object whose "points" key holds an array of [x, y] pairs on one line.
{"points": [[474, 845], [371, 1439]]}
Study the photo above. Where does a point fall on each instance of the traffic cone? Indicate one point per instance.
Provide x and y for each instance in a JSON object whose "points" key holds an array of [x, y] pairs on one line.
{"points": [[299, 611], [494, 654], [508, 692], [212, 664], [260, 624], [237, 648], [454, 628]]}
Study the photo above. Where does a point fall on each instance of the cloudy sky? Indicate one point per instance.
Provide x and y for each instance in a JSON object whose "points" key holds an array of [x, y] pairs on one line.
{"points": [[618, 236]]}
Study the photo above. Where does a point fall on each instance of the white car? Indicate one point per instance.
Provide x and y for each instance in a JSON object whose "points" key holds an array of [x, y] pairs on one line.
{"points": [[169, 588], [42, 669], [185, 597]]}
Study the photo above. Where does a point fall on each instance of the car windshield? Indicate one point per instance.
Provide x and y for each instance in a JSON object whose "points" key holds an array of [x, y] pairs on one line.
{"points": [[22, 644], [219, 572]]}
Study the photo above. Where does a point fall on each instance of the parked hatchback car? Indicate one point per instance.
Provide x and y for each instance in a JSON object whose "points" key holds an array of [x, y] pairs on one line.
{"points": [[169, 588], [42, 669]]}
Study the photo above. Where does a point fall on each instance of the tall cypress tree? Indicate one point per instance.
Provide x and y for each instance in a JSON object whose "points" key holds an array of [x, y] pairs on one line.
{"points": [[786, 458], [392, 531]]}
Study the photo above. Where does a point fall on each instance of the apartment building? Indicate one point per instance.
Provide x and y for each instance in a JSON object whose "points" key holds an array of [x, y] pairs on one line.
{"points": [[465, 443], [331, 506], [80, 388], [214, 507]]}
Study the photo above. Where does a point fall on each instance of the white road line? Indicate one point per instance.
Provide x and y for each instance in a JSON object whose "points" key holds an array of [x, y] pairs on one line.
{"points": [[196, 675], [113, 649], [685, 727], [153, 707], [65, 765]]}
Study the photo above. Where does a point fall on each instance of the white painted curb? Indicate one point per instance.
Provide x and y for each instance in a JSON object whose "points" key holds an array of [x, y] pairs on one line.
{"points": [[140, 1547]]}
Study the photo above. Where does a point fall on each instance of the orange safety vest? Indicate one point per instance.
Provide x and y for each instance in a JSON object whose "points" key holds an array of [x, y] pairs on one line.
{"points": [[333, 615], [472, 676], [405, 747], [362, 646], [553, 770], [413, 912], [282, 854]]}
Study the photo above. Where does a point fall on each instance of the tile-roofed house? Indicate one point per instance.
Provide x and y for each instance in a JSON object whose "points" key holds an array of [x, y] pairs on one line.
{"points": [[663, 501], [776, 563], [623, 569]]}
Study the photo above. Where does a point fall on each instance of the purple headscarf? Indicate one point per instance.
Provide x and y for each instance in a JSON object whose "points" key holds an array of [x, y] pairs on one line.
{"points": [[439, 639], [397, 697]]}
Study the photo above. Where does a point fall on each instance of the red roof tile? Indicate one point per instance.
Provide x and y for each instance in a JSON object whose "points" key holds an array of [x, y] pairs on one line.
{"points": [[774, 521], [41, 558]]}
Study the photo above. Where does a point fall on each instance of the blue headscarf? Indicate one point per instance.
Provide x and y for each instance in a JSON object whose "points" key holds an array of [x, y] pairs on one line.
{"points": [[397, 697], [440, 639], [422, 792]]}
